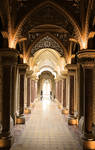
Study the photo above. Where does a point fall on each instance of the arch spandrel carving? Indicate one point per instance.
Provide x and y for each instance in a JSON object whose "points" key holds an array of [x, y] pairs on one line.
{"points": [[47, 42]]}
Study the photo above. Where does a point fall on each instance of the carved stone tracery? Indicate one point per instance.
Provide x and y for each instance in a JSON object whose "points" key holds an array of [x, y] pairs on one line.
{"points": [[47, 42]]}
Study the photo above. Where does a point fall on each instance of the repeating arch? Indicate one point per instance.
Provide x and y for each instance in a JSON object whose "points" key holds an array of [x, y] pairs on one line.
{"points": [[52, 37], [56, 6]]}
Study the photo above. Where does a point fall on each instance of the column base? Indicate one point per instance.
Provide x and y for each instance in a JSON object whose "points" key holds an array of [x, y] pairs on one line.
{"points": [[20, 120], [73, 121], [27, 111], [65, 111], [6, 142], [89, 143], [60, 106]]}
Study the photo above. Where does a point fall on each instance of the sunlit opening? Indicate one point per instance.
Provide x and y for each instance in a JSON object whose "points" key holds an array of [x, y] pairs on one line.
{"points": [[46, 94], [46, 103], [46, 90]]}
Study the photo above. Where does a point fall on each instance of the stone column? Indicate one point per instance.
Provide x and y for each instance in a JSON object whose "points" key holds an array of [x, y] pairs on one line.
{"points": [[8, 59], [27, 109], [72, 120], [13, 92], [32, 91], [81, 91], [64, 93], [61, 91], [56, 88], [87, 59], [21, 110], [36, 88], [22, 70], [60, 94], [88, 100], [71, 109], [64, 110], [28, 92]]}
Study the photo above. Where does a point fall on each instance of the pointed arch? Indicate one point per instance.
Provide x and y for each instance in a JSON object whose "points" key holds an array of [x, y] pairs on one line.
{"points": [[55, 6], [53, 37]]}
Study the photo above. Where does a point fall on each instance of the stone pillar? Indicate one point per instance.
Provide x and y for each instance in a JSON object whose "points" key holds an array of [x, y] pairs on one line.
{"points": [[32, 91], [21, 109], [71, 109], [87, 59], [64, 110], [22, 70], [27, 109], [60, 94], [8, 59], [72, 120], [61, 91], [13, 92], [88, 100], [64, 93], [81, 92], [56, 88], [28, 92]]}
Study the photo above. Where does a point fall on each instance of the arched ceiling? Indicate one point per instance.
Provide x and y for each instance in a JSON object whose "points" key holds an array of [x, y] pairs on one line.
{"points": [[64, 19], [47, 60], [52, 14]]}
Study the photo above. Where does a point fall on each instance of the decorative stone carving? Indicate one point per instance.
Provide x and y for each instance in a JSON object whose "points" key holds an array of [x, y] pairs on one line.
{"points": [[47, 42]]}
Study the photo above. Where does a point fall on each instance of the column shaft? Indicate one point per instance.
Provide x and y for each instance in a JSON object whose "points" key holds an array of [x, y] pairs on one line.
{"points": [[81, 107], [8, 59], [13, 99], [5, 101], [71, 95], [21, 111], [88, 100], [64, 93], [32, 91], [28, 92], [56, 90]]}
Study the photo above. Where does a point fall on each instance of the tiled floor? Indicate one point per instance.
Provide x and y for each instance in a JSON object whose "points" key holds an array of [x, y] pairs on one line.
{"points": [[47, 129]]}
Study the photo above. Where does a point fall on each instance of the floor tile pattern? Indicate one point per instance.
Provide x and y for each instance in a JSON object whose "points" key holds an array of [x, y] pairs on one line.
{"points": [[47, 129]]}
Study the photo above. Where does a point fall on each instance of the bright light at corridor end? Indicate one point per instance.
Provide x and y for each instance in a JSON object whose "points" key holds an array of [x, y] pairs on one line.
{"points": [[45, 103]]}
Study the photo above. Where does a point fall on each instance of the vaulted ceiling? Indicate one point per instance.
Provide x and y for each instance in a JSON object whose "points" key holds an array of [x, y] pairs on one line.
{"points": [[28, 22]]}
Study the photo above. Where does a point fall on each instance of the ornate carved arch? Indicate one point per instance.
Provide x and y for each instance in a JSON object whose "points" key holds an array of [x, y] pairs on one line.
{"points": [[27, 19], [47, 40]]}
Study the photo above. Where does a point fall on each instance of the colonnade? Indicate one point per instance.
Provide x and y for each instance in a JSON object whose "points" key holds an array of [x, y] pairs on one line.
{"points": [[74, 92], [79, 102], [18, 90]]}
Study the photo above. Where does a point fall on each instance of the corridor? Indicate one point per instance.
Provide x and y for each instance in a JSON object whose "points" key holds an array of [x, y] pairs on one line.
{"points": [[47, 129]]}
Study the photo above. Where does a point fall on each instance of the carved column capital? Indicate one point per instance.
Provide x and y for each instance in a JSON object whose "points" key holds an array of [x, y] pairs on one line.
{"points": [[8, 56], [86, 58]]}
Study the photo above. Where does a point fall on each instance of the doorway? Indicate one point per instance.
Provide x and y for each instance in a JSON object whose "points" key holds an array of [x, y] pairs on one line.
{"points": [[46, 90]]}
